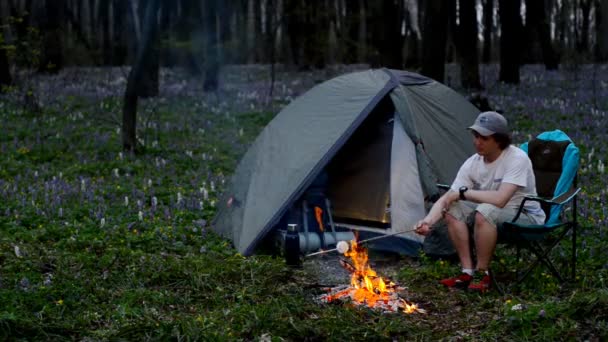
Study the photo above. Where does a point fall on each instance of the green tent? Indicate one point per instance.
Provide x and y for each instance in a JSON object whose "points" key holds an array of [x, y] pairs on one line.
{"points": [[382, 139]]}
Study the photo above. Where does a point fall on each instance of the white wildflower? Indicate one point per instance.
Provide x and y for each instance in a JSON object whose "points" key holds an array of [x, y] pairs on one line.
{"points": [[212, 204], [205, 194], [139, 203], [149, 183], [189, 153], [155, 143], [600, 166], [179, 197], [35, 173], [212, 185], [83, 185], [116, 174], [591, 153], [120, 156], [154, 201], [126, 201], [60, 212], [140, 215], [60, 175], [117, 130], [18, 252], [517, 307], [102, 222], [240, 132], [200, 205]]}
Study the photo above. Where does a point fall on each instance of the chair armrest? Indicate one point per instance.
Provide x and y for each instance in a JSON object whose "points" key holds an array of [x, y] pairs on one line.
{"points": [[565, 197]]}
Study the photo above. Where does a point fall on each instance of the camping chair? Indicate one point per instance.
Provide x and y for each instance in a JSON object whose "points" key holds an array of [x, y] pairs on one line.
{"points": [[555, 160]]}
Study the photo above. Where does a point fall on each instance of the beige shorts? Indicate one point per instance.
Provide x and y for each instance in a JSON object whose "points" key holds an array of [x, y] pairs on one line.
{"points": [[463, 211]]}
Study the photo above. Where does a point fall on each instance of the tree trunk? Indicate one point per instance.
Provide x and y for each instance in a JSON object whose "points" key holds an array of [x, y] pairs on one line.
{"points": [[583, 46], [511, 28], [468, 42], [434, 39], [362, 32], [537, 33], [251, 32], [136, 79], [149, 78], [5, 71], [119, 37], [355, 28], [602, 35], [412, 36], [388, 43], [488, 16], [212, 63], [307, 32], [105, 34], [52, 42]]}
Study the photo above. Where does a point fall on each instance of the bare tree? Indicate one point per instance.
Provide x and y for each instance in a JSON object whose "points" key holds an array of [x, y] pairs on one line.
{"points": [[468, 45], [50, 18], [136, 79], [488, 20], [306, 27], [583, 35], [5, 73], [602, 29], [510, 28], [434, 39], [387, 43], [211, 12]]}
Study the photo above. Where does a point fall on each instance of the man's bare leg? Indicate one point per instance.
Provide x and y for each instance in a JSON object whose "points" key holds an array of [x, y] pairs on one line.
{"points": [[459, 234], [485, 241]]}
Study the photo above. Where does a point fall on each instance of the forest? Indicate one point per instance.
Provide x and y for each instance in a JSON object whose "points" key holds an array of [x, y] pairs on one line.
{"points": [[122, 121]]}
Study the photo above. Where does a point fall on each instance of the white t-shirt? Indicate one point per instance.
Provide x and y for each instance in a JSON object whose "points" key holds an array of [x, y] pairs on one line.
{"points": [[512, 166]]}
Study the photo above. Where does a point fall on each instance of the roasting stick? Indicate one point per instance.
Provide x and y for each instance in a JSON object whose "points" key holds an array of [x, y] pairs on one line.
{"points": [[360, 242]]}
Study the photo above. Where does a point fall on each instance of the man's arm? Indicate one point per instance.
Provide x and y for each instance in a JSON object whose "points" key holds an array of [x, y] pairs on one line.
{"points": [[436, 213], [499, 197]]}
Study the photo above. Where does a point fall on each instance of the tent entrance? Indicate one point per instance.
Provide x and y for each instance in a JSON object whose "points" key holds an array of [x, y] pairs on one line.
{"points": [[359, 174]]}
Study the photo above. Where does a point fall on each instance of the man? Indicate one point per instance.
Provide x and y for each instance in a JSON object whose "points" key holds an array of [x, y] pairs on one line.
{"points": [[490, 186]]}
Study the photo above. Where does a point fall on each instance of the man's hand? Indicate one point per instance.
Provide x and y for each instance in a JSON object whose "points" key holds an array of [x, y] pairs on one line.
{"points": [[423, 228]]}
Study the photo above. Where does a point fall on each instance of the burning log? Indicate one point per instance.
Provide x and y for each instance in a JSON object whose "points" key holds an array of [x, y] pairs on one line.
{"points": [[367, 288]]}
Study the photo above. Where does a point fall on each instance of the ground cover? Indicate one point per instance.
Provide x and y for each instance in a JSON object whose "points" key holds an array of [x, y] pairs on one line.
{"points": [[99, 245]]}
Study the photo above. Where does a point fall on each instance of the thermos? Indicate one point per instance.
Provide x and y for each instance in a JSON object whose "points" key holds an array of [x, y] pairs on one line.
{"points": [[292, 246]]}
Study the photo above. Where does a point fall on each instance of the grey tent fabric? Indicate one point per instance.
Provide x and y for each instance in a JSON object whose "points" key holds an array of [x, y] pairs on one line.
{"points": [[304, 137]]}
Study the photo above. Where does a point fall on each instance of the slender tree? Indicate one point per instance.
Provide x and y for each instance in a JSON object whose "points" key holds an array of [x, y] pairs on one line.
{"points": [[306, 27], [537, 29], [119, 33], [151, 64], [583, 37], [104, 8], [488, 20], [212, 44], [387, 42], [136, 79], [602, 29], [50, 21], [5, 73], [469, 55], [510, 28], [434, 39]]}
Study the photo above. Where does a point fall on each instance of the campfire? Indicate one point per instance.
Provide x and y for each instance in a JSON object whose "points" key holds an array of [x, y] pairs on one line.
{"points": [[366, 287]]}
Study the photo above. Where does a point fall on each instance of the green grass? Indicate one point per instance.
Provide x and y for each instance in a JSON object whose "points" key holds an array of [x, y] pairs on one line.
{"points": [[98, 245]]}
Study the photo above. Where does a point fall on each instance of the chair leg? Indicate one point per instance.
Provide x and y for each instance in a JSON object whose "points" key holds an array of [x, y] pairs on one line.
{"points": [[542, 255]]}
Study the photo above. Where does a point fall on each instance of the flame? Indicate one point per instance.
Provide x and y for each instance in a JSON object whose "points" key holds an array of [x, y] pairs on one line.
{"points": [[367, 287]]}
